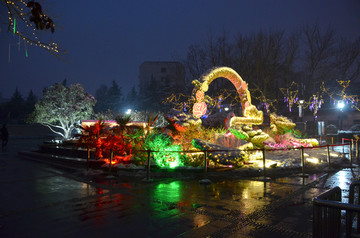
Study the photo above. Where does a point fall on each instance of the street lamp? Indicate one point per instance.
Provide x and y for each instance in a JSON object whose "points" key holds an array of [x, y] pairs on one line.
{"points": [[301, 103], [341, 106]]}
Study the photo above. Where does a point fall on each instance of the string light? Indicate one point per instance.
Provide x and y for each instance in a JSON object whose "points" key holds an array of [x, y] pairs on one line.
{"points": [[315, 104], [26, 53], [27, 31], [342, 95], [290, 94], [266, 102], [14, 30]]}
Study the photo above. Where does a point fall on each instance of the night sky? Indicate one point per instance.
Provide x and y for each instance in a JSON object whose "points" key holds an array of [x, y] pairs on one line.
{"points": [[108, 40]]}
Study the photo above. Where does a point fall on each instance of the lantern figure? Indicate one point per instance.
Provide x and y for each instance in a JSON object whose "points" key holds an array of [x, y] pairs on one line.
{"points": [[199, 109]]}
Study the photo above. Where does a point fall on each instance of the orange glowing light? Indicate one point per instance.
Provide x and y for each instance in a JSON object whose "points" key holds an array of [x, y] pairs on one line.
{"points": [[107, 161]]}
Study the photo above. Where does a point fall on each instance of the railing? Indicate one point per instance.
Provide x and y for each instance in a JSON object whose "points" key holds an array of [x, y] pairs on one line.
{"points": [[354, 143], [302, 159], [327, 218], [354, 193]]}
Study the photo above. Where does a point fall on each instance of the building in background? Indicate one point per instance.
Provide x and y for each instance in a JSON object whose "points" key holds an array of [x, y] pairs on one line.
{"points": [[163, 73], [157, 81]]}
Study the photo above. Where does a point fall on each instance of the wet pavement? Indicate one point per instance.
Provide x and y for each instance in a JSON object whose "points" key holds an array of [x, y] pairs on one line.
{"points": [[38, 200]]}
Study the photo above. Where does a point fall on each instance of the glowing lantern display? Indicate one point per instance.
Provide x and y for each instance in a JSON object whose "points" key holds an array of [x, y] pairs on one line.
{"points": [[243, 85], [200, 96], [199, 109], [179, 127], [221, 72]]}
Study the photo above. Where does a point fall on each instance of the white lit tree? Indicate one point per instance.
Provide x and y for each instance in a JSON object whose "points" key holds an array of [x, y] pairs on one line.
{"points": [[62, 107]]}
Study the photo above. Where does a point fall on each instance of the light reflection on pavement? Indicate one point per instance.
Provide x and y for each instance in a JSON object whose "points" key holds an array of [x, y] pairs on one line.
{"points": [[42, 201]]}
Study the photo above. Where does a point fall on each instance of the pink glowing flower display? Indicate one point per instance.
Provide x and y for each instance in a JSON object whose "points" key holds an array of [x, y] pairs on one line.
{"points": [[199, 109]]}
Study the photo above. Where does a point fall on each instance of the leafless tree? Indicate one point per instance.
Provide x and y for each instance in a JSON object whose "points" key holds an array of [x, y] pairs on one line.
{"points": [[268, 61], [327, 58], [319, 51]]}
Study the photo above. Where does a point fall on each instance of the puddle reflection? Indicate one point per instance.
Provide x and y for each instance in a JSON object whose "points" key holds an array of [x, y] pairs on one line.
{"points": [[171, 200], [169, 192], [245, 196]]}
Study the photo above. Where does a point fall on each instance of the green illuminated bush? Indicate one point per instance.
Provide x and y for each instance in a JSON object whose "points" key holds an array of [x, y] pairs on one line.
{"points": [[164, 154]]}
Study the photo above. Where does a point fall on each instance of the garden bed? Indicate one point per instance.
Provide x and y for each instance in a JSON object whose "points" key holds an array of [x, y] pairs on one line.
{"points": [[278, 163]]}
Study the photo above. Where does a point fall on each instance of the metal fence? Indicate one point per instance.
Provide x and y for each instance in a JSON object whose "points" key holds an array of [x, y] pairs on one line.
{"points": [[328, 217], [353, 149], [264, 151]]}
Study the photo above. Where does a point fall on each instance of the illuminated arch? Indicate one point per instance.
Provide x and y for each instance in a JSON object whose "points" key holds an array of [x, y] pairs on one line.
{"points": [[250, 114]]}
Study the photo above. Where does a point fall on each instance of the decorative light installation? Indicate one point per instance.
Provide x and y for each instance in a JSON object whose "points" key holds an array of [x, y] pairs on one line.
{"points": [[182, 103], [352, 99], [315, 104], [290, 95], [166, 154], [26, 29], [250, 113], [179, 101], [265, 102]]}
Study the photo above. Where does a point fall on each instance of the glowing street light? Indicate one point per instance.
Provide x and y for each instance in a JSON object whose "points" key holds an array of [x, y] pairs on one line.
{"points": [[301, 103], [128, 111], [341, 105]]}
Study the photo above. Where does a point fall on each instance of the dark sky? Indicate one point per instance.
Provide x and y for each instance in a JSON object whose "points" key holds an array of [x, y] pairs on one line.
{"points": [[108, 40]]}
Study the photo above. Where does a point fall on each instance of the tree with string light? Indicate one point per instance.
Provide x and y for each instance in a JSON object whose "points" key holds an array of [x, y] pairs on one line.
{"points": [[25, 19]]}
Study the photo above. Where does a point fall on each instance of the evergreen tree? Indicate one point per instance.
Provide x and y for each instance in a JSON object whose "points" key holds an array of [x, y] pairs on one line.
{"points": [[101, 97], [149, 97], [114, 97], [30, 102], [108, 98], [15, 107], [132, 96], [132, 99], [17, 98]]}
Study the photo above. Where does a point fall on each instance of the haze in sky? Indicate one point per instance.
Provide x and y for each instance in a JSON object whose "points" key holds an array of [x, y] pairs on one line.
{"points": [[108, 40]]}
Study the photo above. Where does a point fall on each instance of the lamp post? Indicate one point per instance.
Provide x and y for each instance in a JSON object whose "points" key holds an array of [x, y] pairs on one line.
{"points": [[341, 106], [301, 103]]}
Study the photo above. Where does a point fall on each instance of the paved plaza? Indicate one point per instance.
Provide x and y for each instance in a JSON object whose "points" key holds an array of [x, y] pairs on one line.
{"points": [[40, 200]]}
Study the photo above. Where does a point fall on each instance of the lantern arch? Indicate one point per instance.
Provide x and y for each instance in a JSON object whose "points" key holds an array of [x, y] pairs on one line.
{"points": [[250, 113]]}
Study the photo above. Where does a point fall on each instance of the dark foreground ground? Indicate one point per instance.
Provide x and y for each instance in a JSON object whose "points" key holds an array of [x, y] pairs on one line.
{"points": [[40, 200]]}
